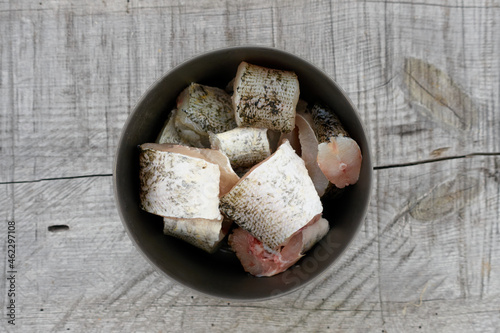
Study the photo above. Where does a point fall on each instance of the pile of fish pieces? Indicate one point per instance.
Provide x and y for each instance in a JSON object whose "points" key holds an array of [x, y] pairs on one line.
{"points": [[255, 155]]}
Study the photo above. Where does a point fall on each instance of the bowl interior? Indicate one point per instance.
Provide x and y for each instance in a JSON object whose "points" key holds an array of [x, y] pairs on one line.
{"points": [[221, 274]]}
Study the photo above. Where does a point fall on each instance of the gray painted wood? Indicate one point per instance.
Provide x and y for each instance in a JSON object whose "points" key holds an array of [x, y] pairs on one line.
{"points": [[425, 76]]}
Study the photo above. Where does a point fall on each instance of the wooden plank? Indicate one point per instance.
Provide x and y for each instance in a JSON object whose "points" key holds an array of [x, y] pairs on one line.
{"points": [[365, 47], [437, 224], [69, 106], [443, 37], [402, 272]]}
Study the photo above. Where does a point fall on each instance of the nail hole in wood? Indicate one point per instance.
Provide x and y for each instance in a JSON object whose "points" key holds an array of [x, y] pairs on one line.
{"points": [[58, 227]]}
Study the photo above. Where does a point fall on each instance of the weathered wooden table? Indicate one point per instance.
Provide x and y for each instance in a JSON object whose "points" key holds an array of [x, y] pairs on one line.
{"points": [[425, 76]]}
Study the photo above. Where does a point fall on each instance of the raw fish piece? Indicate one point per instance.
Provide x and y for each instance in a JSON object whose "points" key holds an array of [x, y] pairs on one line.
{"points": [[202, 233], [258, 261], [203, 109], [340, 160], [176, 185], [313, 233], [339, 156], [228, 178], [265, 98], [168, 133], [305, 143], [326, 123], [274, 199], [244, 146]]}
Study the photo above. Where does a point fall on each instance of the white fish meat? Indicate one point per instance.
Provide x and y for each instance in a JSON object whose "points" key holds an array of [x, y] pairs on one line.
{"points": [[339, 156], [258, 261], [274, 199], [202, 233], [265, 98], [176, 185], [228, 178], [202, 109], [244, 146], [169, 134]]}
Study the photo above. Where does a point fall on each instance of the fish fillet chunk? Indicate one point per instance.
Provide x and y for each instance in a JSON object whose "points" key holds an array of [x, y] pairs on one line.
{"points": [[340, 160], [202, 109], [176, 185], [202, 233], [265, 98], [169, 133], [339, 156], [228, 178], [244, 146], [258, 261], [274, 199]]}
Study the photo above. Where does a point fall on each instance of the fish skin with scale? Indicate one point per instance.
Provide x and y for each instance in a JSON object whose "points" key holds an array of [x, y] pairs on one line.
{"points": [[265, 97], [183, 185], [169, 133], [257, 261], [202, 109], [339, 156], [170, 183], [274, 199], [228, 178], [203, 233], [244, 146], [326, 123]]}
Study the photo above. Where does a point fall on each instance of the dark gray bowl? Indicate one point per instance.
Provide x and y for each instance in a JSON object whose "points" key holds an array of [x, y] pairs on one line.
{"points": [[221, 274]]}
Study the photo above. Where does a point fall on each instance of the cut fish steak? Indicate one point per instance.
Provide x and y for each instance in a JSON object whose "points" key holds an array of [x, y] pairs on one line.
{"points": [[326, 123], [244, 146], [183, 184], [265, 98], [274, 199], [202, 233], [339, 156], [176, 185], [228, 178], [258, 261], [169, 134], [202, 109]]}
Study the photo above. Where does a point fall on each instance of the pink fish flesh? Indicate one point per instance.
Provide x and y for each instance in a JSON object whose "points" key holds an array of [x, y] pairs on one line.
{"points": [[257, 260]]}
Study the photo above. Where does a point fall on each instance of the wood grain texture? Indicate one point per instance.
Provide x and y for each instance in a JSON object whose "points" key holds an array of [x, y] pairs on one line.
{"points": [[400, 273], [67, 108], [427, 257]]}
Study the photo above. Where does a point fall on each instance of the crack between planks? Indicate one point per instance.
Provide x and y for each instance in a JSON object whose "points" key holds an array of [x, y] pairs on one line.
{"points": [[56, 178], [401, 165], [379, 167]]}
